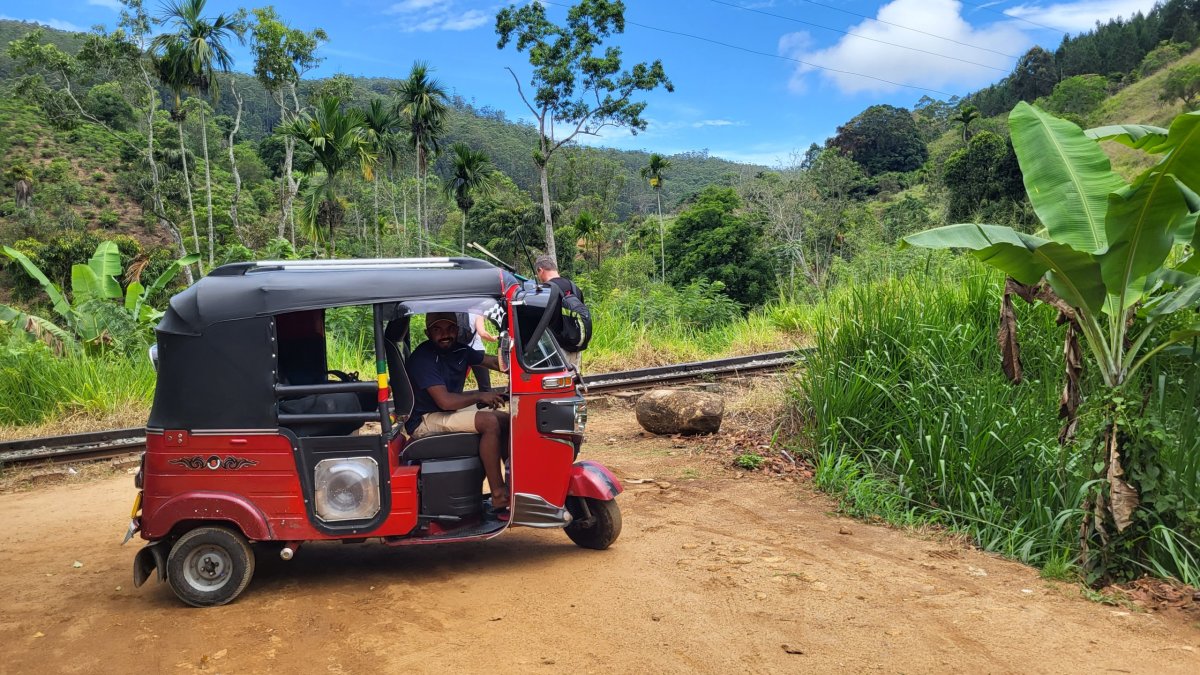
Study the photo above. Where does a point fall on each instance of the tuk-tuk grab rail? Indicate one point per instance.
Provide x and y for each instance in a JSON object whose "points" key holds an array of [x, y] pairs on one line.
{"points": [[286, 419], [235, 269], [288, 390]]}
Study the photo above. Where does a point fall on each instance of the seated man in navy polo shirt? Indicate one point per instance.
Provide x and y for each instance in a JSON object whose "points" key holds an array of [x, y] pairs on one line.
{"points": [[437, 370]]}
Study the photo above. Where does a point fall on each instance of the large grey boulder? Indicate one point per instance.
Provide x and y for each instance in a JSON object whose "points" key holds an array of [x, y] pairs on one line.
{"points": [[676, 411]]}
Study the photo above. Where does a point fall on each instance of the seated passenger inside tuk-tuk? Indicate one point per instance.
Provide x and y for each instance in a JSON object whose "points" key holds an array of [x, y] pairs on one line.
{"points": [[437, 370]]}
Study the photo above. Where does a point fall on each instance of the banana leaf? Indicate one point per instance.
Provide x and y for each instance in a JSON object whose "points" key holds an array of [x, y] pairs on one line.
{"points": [[1137, 136], [57, 299], [1067, 176], [1073, 274], [1141, 223]]}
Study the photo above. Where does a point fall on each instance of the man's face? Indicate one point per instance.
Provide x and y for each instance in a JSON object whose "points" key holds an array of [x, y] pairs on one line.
{"points": [[443, 334], [543, 274]]}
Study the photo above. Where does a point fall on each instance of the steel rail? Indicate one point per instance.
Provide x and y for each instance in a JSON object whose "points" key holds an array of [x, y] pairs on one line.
{"points": [[117, 442]]}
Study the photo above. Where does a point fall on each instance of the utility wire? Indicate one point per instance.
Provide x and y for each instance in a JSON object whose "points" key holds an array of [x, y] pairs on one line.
{"points": [[987, 8], [785, 58], [767, 54], [896, 25], [862, 37]]}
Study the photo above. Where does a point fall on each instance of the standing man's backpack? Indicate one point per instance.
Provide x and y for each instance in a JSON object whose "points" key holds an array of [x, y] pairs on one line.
{"points": [[577, 321]]}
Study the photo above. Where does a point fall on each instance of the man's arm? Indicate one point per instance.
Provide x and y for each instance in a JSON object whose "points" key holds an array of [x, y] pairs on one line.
{"points": [[492, 362], [448, 400], [481, 328]]}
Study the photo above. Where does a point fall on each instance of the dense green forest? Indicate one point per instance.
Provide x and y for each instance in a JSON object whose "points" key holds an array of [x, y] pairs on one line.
{"points": [[105, 138]]}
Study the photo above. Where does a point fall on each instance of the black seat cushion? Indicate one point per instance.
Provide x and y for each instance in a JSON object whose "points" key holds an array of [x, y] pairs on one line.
{"points": [[442, 446], [322, 404]]}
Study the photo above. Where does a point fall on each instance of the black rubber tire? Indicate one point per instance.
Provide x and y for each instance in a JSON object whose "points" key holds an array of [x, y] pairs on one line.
{"points": [[604, 528], [210, 566]]}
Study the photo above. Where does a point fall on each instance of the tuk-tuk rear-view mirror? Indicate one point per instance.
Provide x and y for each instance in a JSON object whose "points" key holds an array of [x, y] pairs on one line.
{"points": [[504, 350]]}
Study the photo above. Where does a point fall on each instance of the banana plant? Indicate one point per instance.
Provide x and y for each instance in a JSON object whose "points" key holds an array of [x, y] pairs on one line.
{"points": [[92, 285], [1115, 257]]}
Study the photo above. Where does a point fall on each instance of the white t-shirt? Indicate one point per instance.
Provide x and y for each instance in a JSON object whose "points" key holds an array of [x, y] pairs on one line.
{"points": [[477, 343]]}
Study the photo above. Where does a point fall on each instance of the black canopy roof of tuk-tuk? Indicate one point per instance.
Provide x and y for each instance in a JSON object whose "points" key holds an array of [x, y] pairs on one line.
{"points": [[256, 289]]}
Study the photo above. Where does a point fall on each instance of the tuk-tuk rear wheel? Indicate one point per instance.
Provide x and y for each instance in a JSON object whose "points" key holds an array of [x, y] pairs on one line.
{"points": [[596, 524], [210, 566]]}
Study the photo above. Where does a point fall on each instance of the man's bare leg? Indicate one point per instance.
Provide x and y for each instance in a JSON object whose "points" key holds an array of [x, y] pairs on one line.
{"points": [[493, 444]]}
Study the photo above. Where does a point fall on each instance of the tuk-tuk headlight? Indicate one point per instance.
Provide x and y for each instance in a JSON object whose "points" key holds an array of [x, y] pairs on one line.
{"points": [[347, 488]]}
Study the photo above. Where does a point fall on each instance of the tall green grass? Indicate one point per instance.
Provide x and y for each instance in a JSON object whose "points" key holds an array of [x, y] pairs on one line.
{"points": [[907, 407], [906, 380], [37, 386]]}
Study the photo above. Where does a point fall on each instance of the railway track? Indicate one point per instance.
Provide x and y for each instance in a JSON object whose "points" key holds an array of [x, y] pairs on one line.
{"points": [[118, 442]]}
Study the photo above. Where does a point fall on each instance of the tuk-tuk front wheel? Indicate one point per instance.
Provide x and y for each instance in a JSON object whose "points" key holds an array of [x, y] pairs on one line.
{"points": [[595, 523], [210, 566]]}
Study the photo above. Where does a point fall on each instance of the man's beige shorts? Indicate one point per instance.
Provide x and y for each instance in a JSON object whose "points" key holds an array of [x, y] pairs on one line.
{"points": [[459, 421]]}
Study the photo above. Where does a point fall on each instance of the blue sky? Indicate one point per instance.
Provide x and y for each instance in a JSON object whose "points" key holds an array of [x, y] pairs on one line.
{"points": [[749, 82]]}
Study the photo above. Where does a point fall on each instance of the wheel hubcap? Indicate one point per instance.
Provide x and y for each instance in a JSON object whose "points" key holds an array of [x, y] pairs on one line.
{"points": [[208, 568]]}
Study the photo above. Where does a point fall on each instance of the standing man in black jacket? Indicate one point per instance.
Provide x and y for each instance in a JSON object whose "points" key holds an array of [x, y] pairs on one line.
{"points": [[546, 271]]}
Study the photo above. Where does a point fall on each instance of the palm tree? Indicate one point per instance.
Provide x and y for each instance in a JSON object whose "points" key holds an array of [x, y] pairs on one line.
{"points": [[654, 172], [169, 70], [471, 172], [194, 52], [338, 140], [966, 115], [422, 102], [380, 123]]}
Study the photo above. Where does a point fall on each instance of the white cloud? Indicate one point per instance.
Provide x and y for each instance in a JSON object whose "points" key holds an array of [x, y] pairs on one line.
{"points": [[1080, 16], [58, 24], [408, 6], [715, 123], [427, 16], [969, 68], [114, 5]]}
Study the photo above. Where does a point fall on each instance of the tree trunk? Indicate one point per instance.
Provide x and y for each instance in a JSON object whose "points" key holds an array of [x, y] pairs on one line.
{"points": [[375, 220], [212, 235], [420, 221], [187, 186], [155, 185], [237, 178], [291, 187], [462, 240], [395, 214], [548, 220], [662, 246]]}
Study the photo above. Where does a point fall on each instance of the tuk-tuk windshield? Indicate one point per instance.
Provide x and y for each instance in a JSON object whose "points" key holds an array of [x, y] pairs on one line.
{"points": [[543, 354]]}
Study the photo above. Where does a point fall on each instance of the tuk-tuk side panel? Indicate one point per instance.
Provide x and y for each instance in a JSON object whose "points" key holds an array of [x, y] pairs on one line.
{"points": [[254, 474], [256, 469], [221, 379]]}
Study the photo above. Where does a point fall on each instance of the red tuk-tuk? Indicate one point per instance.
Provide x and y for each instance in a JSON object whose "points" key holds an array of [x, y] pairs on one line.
{"points": [[250, 441]]}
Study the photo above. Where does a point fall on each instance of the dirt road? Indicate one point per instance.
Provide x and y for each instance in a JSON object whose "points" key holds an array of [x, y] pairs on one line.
{"points": [[712, 574]]}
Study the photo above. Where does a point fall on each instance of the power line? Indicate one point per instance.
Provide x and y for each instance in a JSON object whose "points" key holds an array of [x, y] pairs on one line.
{"points": [[767, 54], [987, 8], [862, 37], [785, 58], [915, 30]]}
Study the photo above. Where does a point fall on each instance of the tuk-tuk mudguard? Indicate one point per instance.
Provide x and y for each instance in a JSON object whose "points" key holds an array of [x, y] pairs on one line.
{"points": [[152, 556], [591, 479], [210, 506]]}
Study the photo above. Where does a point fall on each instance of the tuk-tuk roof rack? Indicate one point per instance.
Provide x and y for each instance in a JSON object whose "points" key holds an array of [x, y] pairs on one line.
{"points": [[241, 268]]}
